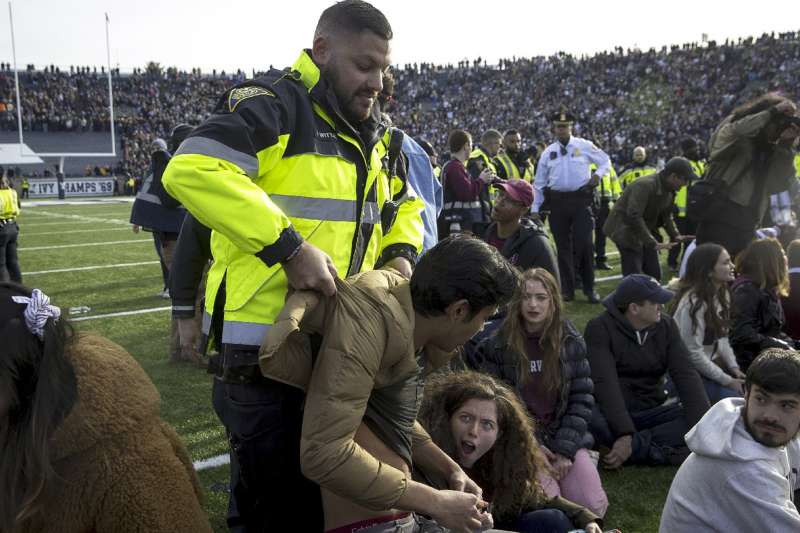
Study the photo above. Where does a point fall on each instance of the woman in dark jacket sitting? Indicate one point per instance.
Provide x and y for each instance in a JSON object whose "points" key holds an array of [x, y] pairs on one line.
{"points": [[756, 314], [542, 355]]}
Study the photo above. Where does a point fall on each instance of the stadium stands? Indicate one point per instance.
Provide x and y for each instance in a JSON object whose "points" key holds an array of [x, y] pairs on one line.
{"points": [[623, 98]]}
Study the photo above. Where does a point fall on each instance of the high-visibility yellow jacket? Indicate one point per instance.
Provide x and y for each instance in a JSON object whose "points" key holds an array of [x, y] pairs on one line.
{"points": [[634, 171], [479, 159], [510, 170], [797, 165], [275, 165], [9, 204], [699, 167], [609, 188]]}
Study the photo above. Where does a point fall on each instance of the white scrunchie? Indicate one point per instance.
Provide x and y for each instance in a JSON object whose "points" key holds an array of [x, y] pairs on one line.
{"points": [[38, 311]]}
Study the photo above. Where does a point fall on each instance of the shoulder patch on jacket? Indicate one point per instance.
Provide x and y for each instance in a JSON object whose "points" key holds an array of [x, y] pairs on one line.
{"points": [[243, 93]]}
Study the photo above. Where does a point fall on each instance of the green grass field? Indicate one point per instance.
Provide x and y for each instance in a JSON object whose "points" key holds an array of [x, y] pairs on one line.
{"points": [[62, 250]]}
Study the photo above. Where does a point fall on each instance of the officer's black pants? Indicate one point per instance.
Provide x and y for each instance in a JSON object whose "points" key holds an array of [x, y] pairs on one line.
{"points": [[9, 263], [599, 235], [640, 260], [571, 223], [263, 422]]}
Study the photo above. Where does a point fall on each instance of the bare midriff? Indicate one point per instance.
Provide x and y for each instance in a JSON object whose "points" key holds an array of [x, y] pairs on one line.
{"points": [[341, 512]]}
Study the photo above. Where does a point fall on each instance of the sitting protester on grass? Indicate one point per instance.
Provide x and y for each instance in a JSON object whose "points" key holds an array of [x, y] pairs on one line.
{"points": [[522, 241], [82, 447], [742, 474], [756, 314], [631, 348], [543, 357], [375, 340], [702, 313], [482, 424]]}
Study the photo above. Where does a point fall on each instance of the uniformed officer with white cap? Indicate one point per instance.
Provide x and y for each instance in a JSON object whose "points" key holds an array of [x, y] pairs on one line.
{"points": [[563, 175]]}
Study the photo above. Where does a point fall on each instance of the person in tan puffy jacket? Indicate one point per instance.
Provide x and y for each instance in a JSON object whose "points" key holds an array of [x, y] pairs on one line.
{"points": [[82, 446]]}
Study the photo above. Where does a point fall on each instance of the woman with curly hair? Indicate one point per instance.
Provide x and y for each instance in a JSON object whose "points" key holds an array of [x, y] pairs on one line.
{"points": [[483, 426], [702, 313], [757, 317], [542, 356], [82, 447]]}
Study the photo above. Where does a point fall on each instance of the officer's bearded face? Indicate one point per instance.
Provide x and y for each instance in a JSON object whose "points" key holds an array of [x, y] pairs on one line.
{"points": [[354, 66], [511, 143]]}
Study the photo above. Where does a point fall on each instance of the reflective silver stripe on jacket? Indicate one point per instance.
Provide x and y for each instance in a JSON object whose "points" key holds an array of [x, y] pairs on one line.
{"points": [[325, 208], [206, 326], [212, 148], [248, 333], [462, 205]]}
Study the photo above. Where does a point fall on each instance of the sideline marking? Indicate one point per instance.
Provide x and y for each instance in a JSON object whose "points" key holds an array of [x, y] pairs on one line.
{"points": [[95, 267], [50, 214], [122, 313], [212, 462], [608, 278], [30, 248], [26, 234]]}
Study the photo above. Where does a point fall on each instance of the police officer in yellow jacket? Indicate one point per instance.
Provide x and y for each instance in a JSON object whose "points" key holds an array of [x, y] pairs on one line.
{"points": [[291, 173], [637, 168], [9, 231], [512, 162], [608, 192], [482, 158]]}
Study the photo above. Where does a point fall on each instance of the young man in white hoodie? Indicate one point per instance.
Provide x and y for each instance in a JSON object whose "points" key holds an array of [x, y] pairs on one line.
{"points": [[743, 471]]}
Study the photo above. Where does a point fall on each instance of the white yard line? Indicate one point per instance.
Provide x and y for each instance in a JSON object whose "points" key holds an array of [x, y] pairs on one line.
{"points": [[95, 201], [24, 234], [25, 224], [81, 245], [96, 267], [122, 313], [608, 278], [212, 462], [67, 216]]}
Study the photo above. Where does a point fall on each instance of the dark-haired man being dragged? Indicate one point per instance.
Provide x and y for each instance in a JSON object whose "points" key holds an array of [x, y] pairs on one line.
{"points": [[376, 339]]}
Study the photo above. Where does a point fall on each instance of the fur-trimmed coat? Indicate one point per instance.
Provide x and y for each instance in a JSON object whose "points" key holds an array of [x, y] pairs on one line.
{"points": [[120, 467]]}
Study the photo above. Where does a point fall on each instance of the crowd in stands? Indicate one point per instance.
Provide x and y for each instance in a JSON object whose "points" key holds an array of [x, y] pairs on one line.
{"points": [[622, 98]]}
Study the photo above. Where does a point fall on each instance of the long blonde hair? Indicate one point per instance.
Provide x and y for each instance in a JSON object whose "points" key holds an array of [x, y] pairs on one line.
{"points": [[513, 329]]}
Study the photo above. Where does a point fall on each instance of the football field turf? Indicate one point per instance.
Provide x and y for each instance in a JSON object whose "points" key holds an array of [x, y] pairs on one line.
{"points": [[107, 279]]}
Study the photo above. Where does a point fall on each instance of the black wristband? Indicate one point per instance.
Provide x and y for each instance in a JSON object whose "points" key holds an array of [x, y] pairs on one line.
{"points": [[397, 250], [279, 251]]}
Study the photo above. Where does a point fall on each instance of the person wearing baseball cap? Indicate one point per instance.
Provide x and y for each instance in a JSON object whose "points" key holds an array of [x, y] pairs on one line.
{"points": [[566, 181], [644, 207], [520, 240], [631, 347]]}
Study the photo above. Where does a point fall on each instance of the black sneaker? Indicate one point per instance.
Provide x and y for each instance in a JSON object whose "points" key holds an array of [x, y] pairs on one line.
{"points": [[593, 297], [602, 265]]}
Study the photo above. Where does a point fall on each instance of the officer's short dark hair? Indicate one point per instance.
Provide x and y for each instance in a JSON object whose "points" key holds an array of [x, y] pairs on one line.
{"points": [[457, 140], [354, 16], [461, 267], [491, 135], [776, 371], [510, 132]]}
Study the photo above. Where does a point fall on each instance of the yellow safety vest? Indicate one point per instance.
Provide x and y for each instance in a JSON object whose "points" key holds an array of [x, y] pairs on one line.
{"points": [[797, 165], [630, 175], [512, 170], [609, 188], [9, 204], [699, 168], [258, 182]]}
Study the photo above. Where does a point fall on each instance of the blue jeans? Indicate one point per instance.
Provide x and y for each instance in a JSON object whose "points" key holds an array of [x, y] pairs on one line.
{"points": [[658, 439], [717, 392], [541, 521]]}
